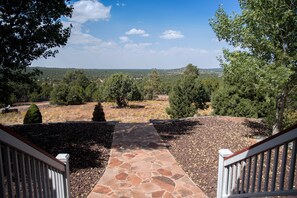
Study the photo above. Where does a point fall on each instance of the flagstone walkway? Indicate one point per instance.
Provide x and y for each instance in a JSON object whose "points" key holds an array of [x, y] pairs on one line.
{"points": [[140, 165]]}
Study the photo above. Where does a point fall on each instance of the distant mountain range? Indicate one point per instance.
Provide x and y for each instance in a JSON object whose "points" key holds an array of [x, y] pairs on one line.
{"points": [[58, 73]]}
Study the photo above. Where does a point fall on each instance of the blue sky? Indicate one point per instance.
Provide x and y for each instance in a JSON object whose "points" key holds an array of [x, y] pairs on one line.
{"points": [[141, 34]]}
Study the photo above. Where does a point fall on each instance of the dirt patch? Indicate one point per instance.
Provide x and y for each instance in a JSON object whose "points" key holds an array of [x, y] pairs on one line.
{"points": [[87, 143], [136, 112], [195, 144]]}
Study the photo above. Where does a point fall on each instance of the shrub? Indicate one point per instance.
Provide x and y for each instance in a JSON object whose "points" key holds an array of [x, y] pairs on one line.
{"points": [[134, 94], [59, 94], [229, 101], [98, 114], [35, 97], [75, 95], [98, 95], [90, 92], [33, 115]]}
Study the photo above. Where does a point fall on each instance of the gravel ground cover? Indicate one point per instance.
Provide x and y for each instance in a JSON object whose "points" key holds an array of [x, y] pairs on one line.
{"points": [[88, 144], [195, 144]]}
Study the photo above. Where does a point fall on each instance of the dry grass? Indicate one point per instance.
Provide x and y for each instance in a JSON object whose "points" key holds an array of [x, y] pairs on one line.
{"points": [[138, 112], [206, 112]]}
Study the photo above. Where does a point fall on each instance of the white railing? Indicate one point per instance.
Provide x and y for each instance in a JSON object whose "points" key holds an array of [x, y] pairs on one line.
{"points": [[27, 171], [267, 168]]}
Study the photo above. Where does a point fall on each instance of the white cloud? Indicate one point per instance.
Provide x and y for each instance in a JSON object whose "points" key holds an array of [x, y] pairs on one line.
{"points": [[139, 32], [90, 10], [79, 39], [171, 34], [83, 38], [125, 39], [137, 45], [183, 51], [120, 4]]}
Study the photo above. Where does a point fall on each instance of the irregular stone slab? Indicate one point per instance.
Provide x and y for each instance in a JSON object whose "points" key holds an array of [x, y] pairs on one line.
{"points": [[140, 165]]}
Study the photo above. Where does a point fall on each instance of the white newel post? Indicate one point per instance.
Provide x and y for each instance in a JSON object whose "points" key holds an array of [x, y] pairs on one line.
{"points": [[64, 157], [221, 173]]}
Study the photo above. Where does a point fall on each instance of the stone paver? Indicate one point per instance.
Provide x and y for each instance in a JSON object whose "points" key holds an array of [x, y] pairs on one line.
{"points": [[140, 165]]}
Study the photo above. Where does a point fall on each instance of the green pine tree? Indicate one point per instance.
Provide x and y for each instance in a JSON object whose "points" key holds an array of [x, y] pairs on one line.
{"points": [[188, 95], [33, 115], [98, 114]]}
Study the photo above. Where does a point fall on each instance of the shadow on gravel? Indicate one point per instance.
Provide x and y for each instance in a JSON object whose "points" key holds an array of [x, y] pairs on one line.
{"points": [[258, 128], [174, 129], [85, 142]]}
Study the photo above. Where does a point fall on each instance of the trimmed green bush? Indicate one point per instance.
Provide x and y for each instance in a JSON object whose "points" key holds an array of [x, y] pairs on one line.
{"points": [[33, 115], [98, 114]]}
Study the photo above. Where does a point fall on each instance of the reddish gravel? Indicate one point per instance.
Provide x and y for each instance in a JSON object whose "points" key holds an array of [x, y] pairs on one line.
{"points": [[195, 144]]}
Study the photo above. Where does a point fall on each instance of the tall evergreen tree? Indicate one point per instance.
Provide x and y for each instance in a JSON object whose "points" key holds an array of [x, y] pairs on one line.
{"points": [[188, 95]]}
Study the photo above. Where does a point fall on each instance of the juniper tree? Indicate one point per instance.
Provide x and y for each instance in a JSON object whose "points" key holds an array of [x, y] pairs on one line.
{"points": [[117, 87], [187, 95]]}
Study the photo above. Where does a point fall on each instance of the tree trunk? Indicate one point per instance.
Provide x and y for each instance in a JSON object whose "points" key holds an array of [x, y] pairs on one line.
{"points": [[121, 102], [118, 101], [280, 109]]}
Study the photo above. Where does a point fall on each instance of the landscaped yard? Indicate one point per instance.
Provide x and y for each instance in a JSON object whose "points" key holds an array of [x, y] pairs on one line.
{"points": [[193, 142]]}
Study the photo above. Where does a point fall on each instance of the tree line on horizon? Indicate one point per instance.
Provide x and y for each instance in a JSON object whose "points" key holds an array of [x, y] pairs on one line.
{"points": [[76, 88]]}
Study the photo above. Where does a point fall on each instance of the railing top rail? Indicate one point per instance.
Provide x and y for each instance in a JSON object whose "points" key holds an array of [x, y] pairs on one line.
{"points": [[263, 141], [269, 143], [11, 138]]}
